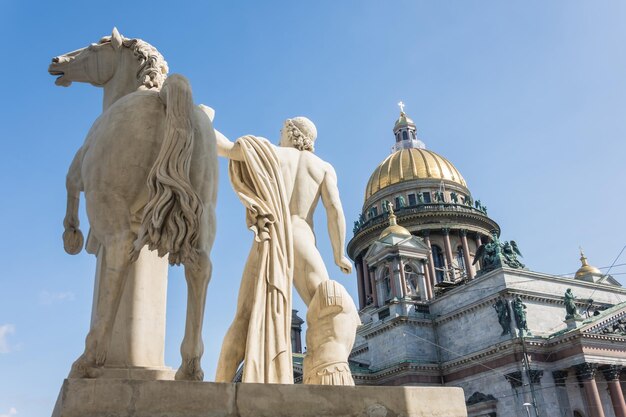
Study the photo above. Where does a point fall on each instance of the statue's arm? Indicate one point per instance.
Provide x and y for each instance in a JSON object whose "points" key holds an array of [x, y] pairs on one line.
{"points": [[226, 148], [336, 219]]}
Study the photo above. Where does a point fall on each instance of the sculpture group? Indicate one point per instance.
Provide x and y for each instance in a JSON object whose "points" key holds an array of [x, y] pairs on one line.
{"points": [[148, 171], [495, 254]]}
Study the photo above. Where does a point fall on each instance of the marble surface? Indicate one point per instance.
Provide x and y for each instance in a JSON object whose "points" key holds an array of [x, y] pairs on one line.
{"points": [[125, 398]]}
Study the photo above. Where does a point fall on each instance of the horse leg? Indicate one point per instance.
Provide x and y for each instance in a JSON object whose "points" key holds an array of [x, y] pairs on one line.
{"points": [[197, 276], [72, 236], [114, 272]]}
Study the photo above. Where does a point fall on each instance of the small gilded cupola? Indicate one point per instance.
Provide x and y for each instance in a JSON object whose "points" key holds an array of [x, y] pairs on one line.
{"points": [[405, 132], [590, 273]]}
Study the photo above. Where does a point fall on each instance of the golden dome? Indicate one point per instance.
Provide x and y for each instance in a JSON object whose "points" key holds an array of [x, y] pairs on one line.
{"points": [[586, 269], [404, 120], [394, 227], [412, 164]]}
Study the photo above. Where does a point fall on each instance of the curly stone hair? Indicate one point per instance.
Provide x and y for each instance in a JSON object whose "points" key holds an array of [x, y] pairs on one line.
{"points": [[302, 133], [153, 68]]}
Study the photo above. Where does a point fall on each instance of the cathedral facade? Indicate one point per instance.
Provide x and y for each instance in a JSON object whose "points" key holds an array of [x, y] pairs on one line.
{"points": [[445, 301]]}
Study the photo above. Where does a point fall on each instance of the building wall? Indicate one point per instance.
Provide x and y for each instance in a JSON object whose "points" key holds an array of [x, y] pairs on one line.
{"points": [[473, 331], [404, 342]]}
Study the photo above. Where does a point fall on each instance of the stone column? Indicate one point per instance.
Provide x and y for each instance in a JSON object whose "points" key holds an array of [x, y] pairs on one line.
{"points": [[422, 282], [138, 336], [560, 377], [427, 280], [367, 283], [360, 283], [479, 243], [586, 372], [448, 250], [431, 263], [534, 376], [397, 289], [611, 374], [466, 255], [403, 282], [516, 379]]}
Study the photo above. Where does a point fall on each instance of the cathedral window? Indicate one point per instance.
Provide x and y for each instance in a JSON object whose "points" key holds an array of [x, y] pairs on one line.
{"points": [[438, 263], [460, 258], [413, 135], [405, 136], [411, 280], [386, 284], [412, 200], [426, 196]]}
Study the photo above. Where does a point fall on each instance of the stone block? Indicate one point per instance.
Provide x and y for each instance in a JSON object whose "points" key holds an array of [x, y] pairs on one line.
{"points": [[126, 398]]}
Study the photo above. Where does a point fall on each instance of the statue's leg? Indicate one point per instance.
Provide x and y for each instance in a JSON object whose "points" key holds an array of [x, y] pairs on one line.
{"points": [[309, 269], [234, 344]]}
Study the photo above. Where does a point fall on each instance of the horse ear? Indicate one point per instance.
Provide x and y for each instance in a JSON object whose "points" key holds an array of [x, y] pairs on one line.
{"points": [[116, 38]]}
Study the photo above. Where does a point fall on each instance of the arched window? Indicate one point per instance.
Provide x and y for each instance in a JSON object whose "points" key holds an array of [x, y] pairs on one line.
{"points": [[413, 135], [460, 258], [386, 281], [398, 137], [405, 136], [438, 262], [411, 280]]}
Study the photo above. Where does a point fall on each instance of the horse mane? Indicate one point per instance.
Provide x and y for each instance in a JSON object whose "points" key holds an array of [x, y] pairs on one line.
{"points": [[153, 68]]}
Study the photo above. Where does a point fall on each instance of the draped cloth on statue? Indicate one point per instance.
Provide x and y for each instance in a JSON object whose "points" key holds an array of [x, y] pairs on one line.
{"points": [[258, 182]]}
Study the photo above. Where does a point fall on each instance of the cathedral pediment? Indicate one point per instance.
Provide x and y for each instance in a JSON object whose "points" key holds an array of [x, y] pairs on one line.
{"points": [[612, 324], [397, 243]]}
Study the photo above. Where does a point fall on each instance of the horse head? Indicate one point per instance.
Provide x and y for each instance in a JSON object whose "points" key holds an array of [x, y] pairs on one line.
{"points": [[130, 63], [94, 64]]}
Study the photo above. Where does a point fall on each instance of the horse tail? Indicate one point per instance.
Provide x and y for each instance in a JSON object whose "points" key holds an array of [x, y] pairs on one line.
{"points": [[172, 216], [72, 236]]}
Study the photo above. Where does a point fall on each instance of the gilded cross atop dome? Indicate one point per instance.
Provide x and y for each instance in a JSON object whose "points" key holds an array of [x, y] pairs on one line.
{"points": [[401, 105]]}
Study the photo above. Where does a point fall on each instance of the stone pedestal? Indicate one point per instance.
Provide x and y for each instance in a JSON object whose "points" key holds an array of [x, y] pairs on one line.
{"points": [[125, 398], [138, 339], [573, 322]]}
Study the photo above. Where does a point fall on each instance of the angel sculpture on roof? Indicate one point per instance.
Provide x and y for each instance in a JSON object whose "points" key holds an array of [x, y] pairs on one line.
{"points": [[510, 251], [495, 254]]}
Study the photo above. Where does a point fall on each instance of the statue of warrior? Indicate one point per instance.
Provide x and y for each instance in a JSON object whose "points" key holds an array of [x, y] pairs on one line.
{"points": [[570, 305], [519, 311], [504, 317]]}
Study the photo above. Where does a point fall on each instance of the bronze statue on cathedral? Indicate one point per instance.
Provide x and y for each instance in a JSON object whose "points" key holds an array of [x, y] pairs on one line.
{"points": [[496, 254]]}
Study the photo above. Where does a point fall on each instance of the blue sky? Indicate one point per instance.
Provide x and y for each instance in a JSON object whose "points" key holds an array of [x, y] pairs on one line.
{"points": [[527, 99]]}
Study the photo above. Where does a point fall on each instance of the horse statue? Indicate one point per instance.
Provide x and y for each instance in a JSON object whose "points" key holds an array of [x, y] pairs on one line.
{"points": [[148, 170]]}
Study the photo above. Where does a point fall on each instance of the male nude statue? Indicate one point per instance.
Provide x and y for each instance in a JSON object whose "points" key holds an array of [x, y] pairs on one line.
{"points": [[306, 178]]}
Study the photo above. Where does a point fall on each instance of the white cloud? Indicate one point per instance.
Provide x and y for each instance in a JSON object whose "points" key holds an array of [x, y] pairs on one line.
{"points": [[47, 297], [5, 330], [12, 412]]}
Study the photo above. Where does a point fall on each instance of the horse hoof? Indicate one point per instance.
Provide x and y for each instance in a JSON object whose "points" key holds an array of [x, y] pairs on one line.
{"points": [[73, 241], [84, 369], [189, 373]]}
